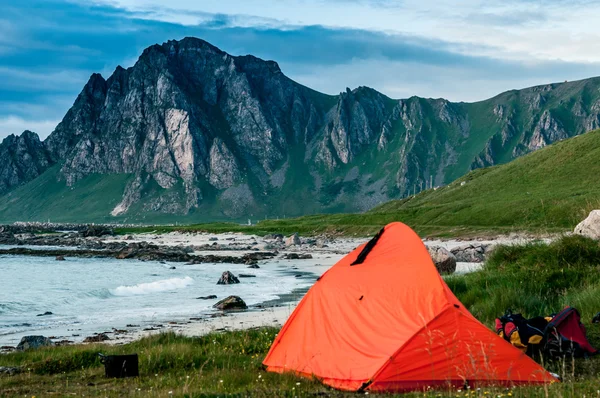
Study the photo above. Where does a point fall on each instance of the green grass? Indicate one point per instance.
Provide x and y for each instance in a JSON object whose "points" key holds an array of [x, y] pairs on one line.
{"points": [[535, 279]]}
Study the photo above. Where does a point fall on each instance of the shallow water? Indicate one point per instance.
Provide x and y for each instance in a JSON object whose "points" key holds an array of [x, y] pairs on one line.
{"points": [[94, 295]]}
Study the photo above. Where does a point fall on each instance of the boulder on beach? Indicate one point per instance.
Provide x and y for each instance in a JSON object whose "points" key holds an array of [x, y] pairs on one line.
{"points": [[444, 261], [471, 253], [60, 258], [31, 342], [231, 303], [97, 338], [590, 227], [273, 237], [297, 256], [227, 278], [293, 240]]}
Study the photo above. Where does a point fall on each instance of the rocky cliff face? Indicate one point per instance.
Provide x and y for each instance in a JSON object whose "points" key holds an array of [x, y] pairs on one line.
{"points": [[202, 133], [22, 158]]}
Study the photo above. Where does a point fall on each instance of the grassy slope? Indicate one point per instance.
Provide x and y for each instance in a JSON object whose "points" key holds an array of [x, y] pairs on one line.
{"points": [[47, 198], [564, 273]]}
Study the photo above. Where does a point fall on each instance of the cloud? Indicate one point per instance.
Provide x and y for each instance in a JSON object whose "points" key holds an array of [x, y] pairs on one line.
{"points": [[16, 125], [46, 61]]}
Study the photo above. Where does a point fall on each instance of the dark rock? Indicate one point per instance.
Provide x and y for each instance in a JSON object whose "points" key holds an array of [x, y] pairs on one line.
{"points": [[246, 276], [172, 267], [30, 342], [60, 258], [253, 266], [132, 326], [97, 338], [231, 303], [209, 297], [297, 256], [227, 278], [213, 238], [96, 231], [45, 313]]}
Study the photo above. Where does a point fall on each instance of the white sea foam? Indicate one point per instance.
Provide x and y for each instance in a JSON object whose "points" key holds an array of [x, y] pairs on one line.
{"points": [[153, 287]]}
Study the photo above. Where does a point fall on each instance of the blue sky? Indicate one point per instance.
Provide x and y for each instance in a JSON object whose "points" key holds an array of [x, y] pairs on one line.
{"points": [[464, 51]]}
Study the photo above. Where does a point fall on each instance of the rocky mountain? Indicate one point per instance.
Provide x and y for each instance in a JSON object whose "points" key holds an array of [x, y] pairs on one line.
{"points": [[192, 132]]}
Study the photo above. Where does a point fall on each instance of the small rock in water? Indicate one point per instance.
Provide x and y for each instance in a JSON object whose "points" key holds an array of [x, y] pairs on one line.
{"points": [[173, 267], [96, 338], [60, 258], [246, 276], [213, 238], [45, 313], [231, 303], [253, 266], [227, 279], [29, 342], [209, 297]]}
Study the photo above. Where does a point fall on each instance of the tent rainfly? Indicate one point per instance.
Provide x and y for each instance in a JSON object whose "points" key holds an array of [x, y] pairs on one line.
{"points": [[382, 319]]}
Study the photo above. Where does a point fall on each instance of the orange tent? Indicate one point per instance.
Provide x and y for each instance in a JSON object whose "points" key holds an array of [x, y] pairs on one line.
{"points": [[382, 319]]}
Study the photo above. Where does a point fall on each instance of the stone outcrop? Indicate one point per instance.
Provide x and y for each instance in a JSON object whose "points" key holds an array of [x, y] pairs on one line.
{"points": [[227, 278], [293, 240], [471, 253], [590, 227], [32, 342], [444, 261]]}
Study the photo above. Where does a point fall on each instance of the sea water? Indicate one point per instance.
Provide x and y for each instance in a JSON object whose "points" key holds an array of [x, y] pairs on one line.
{"points": [[95, 295]]}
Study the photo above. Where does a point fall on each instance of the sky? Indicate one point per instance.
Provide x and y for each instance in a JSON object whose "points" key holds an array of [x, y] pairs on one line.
{"points": [[463, 51]]}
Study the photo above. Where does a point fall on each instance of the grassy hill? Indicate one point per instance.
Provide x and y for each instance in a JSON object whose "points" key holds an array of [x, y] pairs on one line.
{"points": [[547, 191]]}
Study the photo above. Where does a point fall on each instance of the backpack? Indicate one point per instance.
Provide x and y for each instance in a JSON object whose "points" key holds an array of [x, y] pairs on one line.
{"points": [[525, 334], [556, 336]]}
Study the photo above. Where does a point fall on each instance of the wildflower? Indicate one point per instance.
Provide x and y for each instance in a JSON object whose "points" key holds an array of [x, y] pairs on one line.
{"points": [[156, 374], [298, 383], [259, 376], [170, 392], [220, 381]]}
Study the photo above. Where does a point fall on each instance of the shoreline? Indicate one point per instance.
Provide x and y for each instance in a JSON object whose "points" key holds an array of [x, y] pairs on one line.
{"points": [[219, 248]]}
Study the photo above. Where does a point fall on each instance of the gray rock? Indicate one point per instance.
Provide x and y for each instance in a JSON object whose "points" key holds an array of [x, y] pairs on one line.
{"points": [[590, 227], [32, 342], [246, 276], [231, 303], [293, 240], [60, 258], [253, 266], [297, 256], [227, 278], [444, 261], [471, 253]]}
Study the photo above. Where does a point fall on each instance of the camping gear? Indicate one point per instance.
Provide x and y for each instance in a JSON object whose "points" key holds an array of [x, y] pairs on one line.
{"points": [[559, 335], [120, 366], [525, 334], [565, 336], [383, 319]]}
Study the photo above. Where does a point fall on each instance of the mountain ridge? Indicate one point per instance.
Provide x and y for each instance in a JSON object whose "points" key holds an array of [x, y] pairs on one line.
{"points": [[205, 135]]}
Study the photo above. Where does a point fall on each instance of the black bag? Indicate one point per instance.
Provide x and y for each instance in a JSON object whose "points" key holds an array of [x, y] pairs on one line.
{"points": [[120, 366]]}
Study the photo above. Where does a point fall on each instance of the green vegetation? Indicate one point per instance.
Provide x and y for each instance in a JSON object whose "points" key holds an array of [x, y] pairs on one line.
{"points": [[534, 279]]}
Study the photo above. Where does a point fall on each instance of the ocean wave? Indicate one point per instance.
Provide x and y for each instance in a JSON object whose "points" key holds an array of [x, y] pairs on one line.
{"points": [[153, 287]]}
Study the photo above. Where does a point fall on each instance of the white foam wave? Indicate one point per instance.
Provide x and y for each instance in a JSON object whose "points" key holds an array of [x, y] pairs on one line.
{"points": [[153, 287]]}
